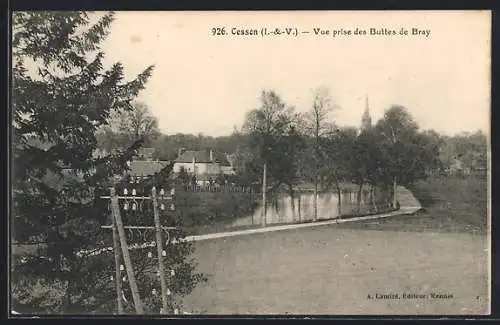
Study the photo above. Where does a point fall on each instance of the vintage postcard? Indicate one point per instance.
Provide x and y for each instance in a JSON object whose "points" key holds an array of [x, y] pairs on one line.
{"points": [[251, 163]]}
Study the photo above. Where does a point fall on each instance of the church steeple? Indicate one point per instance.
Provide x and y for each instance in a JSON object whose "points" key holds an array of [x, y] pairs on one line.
{"points": [[366, 121]]}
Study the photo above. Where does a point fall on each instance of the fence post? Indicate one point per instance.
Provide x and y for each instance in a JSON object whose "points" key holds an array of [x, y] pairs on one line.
{"points": [[116, 250], [115, 208], [159, 246]]}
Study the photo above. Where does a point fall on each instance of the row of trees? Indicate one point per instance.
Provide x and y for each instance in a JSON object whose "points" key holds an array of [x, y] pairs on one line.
{"points": [[298, 148]]}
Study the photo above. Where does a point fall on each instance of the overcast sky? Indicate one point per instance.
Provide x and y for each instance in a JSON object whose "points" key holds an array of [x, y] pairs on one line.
{"points": [[205, 84]]}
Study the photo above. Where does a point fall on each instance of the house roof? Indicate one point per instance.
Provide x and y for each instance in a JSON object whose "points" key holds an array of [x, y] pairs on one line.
{"points": [[146, 168], [199, 157]]}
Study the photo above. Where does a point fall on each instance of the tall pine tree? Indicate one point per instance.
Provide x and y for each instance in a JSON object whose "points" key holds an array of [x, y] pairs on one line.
{"points": [[61, 94]]}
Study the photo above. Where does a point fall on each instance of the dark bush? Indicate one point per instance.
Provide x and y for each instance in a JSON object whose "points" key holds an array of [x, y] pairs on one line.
{"points": [[213, 208]]}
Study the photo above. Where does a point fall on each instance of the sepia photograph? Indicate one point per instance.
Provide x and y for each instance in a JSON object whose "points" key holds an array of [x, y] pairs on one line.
{"points": [[180, 163]]}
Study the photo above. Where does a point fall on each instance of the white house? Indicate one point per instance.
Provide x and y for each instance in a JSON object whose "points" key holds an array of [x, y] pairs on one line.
{"points": [[197, 162], [205, 165]]}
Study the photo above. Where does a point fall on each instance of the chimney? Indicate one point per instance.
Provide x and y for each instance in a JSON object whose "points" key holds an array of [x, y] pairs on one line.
{"points": [[211, 155]]}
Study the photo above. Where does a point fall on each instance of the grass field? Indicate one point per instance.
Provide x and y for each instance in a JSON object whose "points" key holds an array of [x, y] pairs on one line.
{"points": [[457, 201], [330, 270], [333, 269]]}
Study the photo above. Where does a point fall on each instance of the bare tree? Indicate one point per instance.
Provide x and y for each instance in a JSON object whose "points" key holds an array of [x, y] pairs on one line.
{"points": [[318, 128], [126, 126], [139, 122]]}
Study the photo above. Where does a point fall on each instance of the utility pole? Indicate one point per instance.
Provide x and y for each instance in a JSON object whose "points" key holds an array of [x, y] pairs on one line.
{"points": [[264, 204], [394, 185], [315, 201], [159, 246], [115, 208]]}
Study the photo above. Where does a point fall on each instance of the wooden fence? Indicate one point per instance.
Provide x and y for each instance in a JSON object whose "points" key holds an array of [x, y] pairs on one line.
{"points": [[220, 188]]}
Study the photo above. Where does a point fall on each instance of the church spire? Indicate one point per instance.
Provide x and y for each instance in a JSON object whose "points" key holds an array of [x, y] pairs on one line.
{"points": [[366, 121]]}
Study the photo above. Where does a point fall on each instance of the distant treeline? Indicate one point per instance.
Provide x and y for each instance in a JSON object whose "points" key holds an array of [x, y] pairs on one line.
{"points": [[465, 146], [167, 146]]}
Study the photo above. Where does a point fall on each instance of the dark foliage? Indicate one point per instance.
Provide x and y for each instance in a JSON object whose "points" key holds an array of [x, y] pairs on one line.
{"points": [[56, 110]]}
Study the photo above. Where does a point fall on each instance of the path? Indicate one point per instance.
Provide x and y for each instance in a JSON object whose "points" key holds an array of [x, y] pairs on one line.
{"points": [[406, 199]]}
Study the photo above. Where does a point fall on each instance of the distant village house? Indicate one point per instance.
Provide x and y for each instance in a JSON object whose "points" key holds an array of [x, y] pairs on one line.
{"points": [[205, 166]]}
